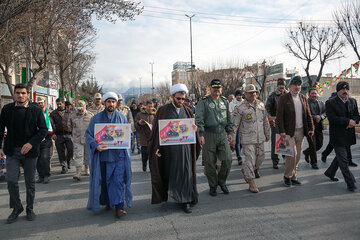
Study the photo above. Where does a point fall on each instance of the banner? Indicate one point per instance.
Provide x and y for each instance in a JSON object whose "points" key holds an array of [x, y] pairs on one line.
{"points": [[177, 131], [114, 136]]}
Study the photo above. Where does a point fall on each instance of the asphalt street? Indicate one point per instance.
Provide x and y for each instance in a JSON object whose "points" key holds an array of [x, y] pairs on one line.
{"points": [[319, 209]]}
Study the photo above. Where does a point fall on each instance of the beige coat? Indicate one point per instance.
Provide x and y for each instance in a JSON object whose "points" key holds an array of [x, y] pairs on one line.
{"points": [[80, 124], [252, 122]]}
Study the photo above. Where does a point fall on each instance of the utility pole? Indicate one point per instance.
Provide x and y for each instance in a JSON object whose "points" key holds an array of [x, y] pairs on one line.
{"points": [[191, 55], [140, 86], [152, 78]]}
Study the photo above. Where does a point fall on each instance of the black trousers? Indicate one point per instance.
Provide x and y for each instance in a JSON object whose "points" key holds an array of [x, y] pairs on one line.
{"points": [[60, 143], [144, 155], [315, 144], [43, 161], [12, 176], [330, 147], [341, 160]]}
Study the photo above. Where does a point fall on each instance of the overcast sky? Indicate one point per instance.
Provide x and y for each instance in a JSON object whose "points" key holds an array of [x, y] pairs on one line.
{"points": [[223, 31]]}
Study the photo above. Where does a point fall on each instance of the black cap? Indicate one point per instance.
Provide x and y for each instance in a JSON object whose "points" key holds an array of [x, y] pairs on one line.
{"points": [[238, 92], [215, 83], [342, 85], [67, 103], [154, 100], [281, 81], [296, 81]]}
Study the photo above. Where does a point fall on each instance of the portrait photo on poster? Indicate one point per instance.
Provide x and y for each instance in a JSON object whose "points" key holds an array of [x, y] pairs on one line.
{"points": [[177, 131], [114, 136]]}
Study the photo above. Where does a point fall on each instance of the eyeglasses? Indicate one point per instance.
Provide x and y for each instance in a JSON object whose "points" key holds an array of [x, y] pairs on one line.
{"points": [[179, 98]]}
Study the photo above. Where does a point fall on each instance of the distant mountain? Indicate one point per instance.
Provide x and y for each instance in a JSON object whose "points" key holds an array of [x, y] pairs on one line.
{"points": [[133, 91]]}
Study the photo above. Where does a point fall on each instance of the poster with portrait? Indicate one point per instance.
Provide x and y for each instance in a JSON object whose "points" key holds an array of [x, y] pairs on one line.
{"points": [[284, 145], [177, 131], [114, 136]]}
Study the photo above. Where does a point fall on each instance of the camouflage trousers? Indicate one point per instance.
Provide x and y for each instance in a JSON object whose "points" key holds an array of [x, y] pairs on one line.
{"points": [[79, 155], [254, 157]]}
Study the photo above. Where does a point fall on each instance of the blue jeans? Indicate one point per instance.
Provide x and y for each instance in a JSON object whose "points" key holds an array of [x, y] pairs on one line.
{"points": [[237, 144], [274, 157]]}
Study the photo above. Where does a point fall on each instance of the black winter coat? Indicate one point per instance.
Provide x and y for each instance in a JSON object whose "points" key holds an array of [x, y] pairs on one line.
{"points": [[339, 115]]}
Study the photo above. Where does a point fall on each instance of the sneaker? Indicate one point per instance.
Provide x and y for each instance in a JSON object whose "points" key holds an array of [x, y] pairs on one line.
{"points": [[287, 182], [30, 215], [14, 215]]}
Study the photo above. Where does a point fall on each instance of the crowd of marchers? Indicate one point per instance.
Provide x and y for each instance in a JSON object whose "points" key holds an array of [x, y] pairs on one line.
{"points": [[29, 132]]}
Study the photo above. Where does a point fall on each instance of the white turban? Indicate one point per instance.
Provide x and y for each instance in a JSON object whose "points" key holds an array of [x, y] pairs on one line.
{"points": [[178, 88], [109, 95]]}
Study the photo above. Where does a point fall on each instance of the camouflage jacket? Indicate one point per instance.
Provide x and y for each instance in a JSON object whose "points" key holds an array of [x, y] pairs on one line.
{"points": [[252, 122], [125, 110], [95, 110], [80, 124]]}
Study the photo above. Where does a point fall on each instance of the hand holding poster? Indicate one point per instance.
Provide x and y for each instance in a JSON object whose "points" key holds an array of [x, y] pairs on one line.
{"points": [[177, 131], [114, 136], [284, 145]]}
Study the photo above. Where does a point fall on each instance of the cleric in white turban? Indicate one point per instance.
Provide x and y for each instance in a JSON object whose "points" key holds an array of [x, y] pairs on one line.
{"points": [[178, 88], [173, 167], [108, 95]]}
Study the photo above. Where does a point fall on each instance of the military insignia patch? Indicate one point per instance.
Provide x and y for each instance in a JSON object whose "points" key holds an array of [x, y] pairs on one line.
{"points": [[212, 105], [222, 106], [248, 116]]}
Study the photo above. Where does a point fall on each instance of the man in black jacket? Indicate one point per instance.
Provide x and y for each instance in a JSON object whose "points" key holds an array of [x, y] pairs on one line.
{"points": [[26, 128], [342, 112]]}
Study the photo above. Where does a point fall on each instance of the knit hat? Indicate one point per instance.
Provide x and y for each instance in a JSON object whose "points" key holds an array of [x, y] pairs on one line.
{"points": [[296, 81], [281, 81], [342, 85], [238, 92]]}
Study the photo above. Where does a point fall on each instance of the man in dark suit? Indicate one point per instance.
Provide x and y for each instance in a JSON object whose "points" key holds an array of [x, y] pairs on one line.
{"points": [[342, 112], [293, 117], [318, 114]]}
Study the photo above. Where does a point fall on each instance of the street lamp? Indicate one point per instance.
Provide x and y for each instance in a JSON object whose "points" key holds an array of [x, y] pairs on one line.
{"points": [[191, 62], [152, 78]]}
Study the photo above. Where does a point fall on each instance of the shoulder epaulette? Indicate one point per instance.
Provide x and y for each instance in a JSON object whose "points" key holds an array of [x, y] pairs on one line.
{"points": [[223, 97]]}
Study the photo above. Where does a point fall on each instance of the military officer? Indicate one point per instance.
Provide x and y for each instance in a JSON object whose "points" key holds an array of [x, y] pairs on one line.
{"points": [[250, 118], [173, 132], [126, 111], [213, 119], [81, 120], [108, 135], [97, 107]]}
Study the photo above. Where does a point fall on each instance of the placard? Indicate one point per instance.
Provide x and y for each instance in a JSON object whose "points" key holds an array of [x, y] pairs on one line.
{"points": [[114, 136], [177, 131], [284, 145]]}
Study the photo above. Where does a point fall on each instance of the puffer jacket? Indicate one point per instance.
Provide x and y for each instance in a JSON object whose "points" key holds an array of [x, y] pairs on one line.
{"points": [[252, 122], [272, 101]]}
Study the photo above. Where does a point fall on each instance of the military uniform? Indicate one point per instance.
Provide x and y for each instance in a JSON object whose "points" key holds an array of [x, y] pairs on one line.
{"points": [[125, 110], [214, 123], [251, 120], [80, 124], [95, 110]]}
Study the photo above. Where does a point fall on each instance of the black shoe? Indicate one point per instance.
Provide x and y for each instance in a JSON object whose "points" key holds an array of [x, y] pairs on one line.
{"points": [[14, 215], [334, 179], [30, 215], [287, 182], [323, 158], [132, 151], [187, 208], [306, 157], [314, 166], [351, 188], [224, 189], [352, 164], [46, 180], [295, 182], [257, 175], [63, 170], [139, 151], [212, 191], [239, 161], [144, 168], [275, 166], [40, 180]]}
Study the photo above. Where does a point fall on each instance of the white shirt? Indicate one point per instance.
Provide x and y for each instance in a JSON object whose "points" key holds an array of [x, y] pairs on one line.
{"points": [[233, 104], [298, 111]]}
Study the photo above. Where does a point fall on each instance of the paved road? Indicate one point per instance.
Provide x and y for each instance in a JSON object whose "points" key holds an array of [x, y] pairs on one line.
{"points": [[319, 209]]}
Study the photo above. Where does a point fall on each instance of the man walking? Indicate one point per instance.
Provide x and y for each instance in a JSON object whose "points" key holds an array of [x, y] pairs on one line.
{"points": [[143, 124], [271, 106], [80, 121], [43, 161], [318, 115], [125, 110], [173, 168], [343, 115], [293, 117], [136, 136], [109, 168], [213, 119], [97, 107], [236, 102], [26, 128], [250, 119], [63, 124]]}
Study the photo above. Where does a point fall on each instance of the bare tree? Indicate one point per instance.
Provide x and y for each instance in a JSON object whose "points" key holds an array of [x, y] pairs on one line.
{"points": [[10, 9], [89, 87], [347, 20], [162, 92], [311, 42]]}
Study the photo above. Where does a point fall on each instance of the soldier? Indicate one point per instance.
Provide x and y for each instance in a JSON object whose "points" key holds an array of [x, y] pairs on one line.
{"points": [[251, 119], [108, 135], [213, 119], [125, 110], [81, 120], [90, 103], [173, 132], [97, 107]]}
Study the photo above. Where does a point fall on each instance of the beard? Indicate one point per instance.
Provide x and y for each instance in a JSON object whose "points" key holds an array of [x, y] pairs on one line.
{"points": [[110, 109], [178, 105]]}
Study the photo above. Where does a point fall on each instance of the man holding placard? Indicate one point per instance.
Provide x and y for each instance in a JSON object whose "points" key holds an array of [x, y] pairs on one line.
{"points": [[173, 165]]}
